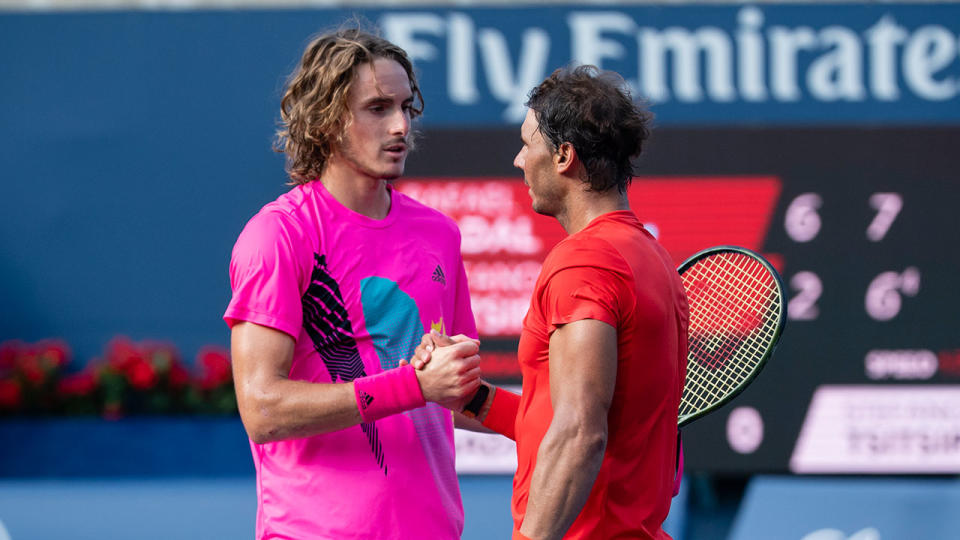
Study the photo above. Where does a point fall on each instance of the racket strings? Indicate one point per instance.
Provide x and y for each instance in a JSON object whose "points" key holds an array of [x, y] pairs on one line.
{"points": [[738, 358], [735, 306], [724, 295]]}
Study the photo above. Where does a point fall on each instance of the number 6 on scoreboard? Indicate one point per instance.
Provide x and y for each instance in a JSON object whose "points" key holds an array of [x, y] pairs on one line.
{"points": [[737, 314]]}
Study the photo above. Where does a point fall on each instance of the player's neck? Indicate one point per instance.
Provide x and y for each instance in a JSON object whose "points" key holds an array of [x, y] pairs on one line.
{"points": [[585, 206], [359, 192]]}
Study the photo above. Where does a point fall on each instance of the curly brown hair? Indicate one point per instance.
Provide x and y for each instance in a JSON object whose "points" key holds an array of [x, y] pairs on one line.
{"points": [[591, 109], [314, 111]]}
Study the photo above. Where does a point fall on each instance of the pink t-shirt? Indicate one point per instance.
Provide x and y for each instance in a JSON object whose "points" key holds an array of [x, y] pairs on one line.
{"points": [[356, 294]]}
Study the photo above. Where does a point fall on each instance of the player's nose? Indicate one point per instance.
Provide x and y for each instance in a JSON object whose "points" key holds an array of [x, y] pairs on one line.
{"points": [[401, 123]]}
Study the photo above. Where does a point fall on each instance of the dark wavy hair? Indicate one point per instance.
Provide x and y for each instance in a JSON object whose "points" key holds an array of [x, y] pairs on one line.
{"points": [[314, 111], [593, 110]]}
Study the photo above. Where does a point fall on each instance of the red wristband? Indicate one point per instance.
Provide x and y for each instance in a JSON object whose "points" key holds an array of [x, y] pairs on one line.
{"points": [[517, 535], [393, 391], [502, 416]]}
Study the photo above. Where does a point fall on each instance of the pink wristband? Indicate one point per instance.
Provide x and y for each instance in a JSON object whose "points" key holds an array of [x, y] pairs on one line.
{"points": [[393, 391]]}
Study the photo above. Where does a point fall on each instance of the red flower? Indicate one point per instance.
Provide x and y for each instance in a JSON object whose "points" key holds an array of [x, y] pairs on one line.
{"points": [[141, 374], [32, 368], [122, 354], [55, 353], [78, 384], [8, 354], [215, 365], [178, 377], [10, 395]]}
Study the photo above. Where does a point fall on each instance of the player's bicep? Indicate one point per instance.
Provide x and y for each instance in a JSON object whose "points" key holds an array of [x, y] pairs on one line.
{"points": [[260, 356], [583, 369]]}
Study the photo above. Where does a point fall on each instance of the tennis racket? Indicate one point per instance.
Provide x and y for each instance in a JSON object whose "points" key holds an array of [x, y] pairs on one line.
{"points": [[737, 313]]}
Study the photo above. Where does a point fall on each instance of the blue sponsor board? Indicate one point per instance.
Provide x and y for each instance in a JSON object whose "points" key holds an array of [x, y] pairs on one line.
{"points": [[850, 508], [700, 64], [713, 65]]}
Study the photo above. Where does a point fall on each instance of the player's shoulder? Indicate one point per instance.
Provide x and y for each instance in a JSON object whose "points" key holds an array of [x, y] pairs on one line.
{"points": [[586, 248], [278, 220], [408, 204], [601, 245], [413, 209], [291, 204]]}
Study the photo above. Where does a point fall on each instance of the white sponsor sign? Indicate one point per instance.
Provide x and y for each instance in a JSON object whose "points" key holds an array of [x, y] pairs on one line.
{"points": [[877, 429], [835, 534], [485, 453]]}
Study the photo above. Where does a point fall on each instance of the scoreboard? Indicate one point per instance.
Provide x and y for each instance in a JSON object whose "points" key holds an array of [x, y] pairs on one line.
{"points": [[861, 223]]}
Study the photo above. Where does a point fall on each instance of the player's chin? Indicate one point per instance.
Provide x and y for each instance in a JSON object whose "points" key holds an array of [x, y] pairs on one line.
{"points": [[392, 172], [542, 209]]}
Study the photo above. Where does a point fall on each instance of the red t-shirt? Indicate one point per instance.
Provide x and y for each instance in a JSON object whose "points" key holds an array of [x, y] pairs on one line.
{"points": [[613, 271]]}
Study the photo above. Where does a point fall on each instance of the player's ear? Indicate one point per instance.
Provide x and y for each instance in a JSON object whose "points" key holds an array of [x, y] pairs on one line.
{"points": [[564, 158]]}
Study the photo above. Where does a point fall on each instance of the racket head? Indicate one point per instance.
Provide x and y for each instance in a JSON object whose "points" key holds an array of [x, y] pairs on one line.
{"points": [[738, 309]]}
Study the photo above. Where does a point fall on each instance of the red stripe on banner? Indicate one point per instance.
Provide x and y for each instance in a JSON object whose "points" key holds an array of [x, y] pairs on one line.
{"points": [[693, 213]]}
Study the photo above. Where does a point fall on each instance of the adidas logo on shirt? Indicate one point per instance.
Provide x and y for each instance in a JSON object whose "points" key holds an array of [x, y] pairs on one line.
{"points": [[366, 398], [438, 276]]}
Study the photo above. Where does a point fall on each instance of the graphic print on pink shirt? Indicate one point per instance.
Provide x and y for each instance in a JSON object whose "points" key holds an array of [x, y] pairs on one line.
{"points": [[394, 324], [326, 322]]}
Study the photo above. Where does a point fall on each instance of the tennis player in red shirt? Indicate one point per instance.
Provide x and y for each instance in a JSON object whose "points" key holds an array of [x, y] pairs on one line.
{"points": [[604, 343]]}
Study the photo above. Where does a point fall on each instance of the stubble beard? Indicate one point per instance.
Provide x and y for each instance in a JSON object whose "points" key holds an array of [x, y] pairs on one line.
{"points": [[547, 202], [348, 155]]}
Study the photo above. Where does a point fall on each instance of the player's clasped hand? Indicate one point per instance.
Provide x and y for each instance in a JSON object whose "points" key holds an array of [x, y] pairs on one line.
{"points": [[429, 342], [452, 374]]}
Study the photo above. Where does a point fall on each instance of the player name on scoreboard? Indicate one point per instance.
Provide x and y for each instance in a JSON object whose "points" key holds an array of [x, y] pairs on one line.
{"points": [[880, 429]]}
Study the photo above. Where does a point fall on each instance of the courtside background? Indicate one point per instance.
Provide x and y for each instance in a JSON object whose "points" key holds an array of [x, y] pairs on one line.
{"points": [[135, 145]]}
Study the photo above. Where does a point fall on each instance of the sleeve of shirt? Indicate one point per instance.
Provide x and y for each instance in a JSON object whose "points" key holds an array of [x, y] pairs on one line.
{"points": [[583, 292], [266, 275]]}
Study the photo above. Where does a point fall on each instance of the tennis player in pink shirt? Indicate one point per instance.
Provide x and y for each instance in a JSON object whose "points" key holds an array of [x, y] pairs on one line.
{"points": [[333, 285]]}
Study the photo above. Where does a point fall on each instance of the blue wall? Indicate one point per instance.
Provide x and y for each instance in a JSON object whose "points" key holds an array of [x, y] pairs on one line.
{"points": [[134, 146]]}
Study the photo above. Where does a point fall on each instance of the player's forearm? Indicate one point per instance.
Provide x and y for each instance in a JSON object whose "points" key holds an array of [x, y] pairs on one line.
{"points": [[272, 406], [285, 409], [568, 462]]}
